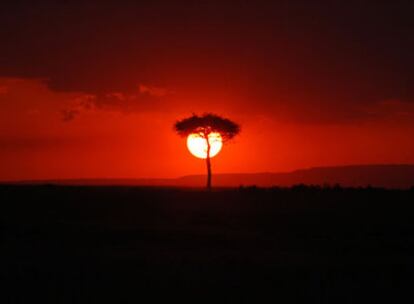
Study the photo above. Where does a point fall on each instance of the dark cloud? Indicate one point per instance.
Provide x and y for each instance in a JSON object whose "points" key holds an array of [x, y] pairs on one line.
{"points": [[69, 114], [392, 110], [153, 91], [146, 98], [327, 60]]}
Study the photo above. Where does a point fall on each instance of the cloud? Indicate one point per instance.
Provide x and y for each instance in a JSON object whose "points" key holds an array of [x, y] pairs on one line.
{"points": [[345, 113], [35, 98], [69, 115], [34, 95], [392, 109], [153, 91], [77, 105], [144, 99]]}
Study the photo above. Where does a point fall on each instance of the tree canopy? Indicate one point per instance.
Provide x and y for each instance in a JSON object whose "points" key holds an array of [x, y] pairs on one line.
{"points": [[206, 124]]}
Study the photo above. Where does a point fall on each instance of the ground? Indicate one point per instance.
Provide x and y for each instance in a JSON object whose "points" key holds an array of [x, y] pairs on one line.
{"points": [[118, 244]]}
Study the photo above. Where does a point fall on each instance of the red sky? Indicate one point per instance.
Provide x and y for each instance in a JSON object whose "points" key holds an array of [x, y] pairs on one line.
{"points": [[93, 90]]}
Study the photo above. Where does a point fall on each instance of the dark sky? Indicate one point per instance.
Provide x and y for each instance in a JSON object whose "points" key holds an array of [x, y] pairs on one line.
{"points": [[330, 54], [84, 84]]}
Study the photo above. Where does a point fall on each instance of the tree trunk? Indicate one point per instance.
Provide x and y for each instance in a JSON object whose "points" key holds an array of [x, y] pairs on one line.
{"points": [[208, 166]]}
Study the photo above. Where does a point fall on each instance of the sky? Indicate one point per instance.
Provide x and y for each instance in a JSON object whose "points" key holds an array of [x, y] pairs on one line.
{"points": [[91, 89]]}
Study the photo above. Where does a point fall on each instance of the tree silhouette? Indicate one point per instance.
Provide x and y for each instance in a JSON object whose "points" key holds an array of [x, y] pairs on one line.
{"points": [[205, 125]]}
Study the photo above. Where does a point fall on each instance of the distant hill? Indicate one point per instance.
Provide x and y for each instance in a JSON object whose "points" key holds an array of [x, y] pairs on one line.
{"points": [[389, 176]]}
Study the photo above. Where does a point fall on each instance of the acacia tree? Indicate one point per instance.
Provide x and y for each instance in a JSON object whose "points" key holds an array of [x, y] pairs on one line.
{"points": [[205, 125]]}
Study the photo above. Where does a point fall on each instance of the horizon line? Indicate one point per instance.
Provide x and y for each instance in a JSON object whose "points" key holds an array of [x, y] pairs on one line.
{"points": [[51, 179]]}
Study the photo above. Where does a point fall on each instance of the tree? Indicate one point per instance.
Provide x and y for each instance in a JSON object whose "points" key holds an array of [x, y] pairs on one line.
{"points": [[205, 125]]}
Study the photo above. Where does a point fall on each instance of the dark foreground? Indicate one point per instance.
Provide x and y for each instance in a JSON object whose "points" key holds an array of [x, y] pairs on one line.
{"points": [[131, 245]]}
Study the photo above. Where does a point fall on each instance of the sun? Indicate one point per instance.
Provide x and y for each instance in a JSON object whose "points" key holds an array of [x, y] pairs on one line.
{"points": [[197, 145]]}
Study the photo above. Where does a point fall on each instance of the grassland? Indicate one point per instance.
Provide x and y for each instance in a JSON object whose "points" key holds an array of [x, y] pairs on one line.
{"points": [[63, 244]]}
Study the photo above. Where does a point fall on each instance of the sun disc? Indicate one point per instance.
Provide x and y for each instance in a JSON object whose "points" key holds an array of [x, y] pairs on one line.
{"points": [[197, 145]]}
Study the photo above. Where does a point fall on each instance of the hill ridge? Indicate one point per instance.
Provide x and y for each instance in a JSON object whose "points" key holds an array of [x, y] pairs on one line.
{"points": [[380, 175]]}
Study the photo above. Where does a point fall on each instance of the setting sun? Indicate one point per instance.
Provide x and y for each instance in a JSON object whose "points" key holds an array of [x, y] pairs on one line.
{"points": [[197, 145]]}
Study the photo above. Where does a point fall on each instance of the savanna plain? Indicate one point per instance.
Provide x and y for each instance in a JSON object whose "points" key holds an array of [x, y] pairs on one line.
{"points": [[75, 244]]}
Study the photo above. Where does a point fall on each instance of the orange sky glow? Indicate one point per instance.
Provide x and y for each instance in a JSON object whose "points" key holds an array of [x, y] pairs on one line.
{"points": [[39, 142], [92, 89]]}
